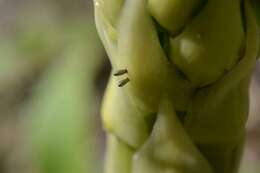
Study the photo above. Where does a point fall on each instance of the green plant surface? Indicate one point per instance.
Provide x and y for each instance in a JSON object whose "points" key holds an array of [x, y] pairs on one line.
{"points": [[256, 7], [178, 92]]}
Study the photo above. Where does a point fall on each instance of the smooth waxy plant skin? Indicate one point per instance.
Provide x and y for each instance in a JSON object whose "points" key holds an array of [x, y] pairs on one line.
{"points": [[177, 99], [173, 15], [213, 42]]}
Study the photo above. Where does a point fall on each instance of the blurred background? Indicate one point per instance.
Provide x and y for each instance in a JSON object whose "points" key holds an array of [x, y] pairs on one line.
{"points": [[53, 71]]}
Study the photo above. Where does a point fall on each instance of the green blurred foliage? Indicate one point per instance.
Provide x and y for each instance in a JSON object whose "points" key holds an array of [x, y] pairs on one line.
{"points": [[59, 125], [49, 61]]}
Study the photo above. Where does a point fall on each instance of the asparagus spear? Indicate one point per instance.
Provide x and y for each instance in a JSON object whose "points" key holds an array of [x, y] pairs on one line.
{"points": [[185, 67]]}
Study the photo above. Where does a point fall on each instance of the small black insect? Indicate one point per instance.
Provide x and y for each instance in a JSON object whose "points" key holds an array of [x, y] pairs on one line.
{"points": [[120, 73], [123, 82]]}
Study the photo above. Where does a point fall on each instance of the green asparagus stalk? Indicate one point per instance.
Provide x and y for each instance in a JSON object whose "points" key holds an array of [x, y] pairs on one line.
{"points": [[177, 100]]}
